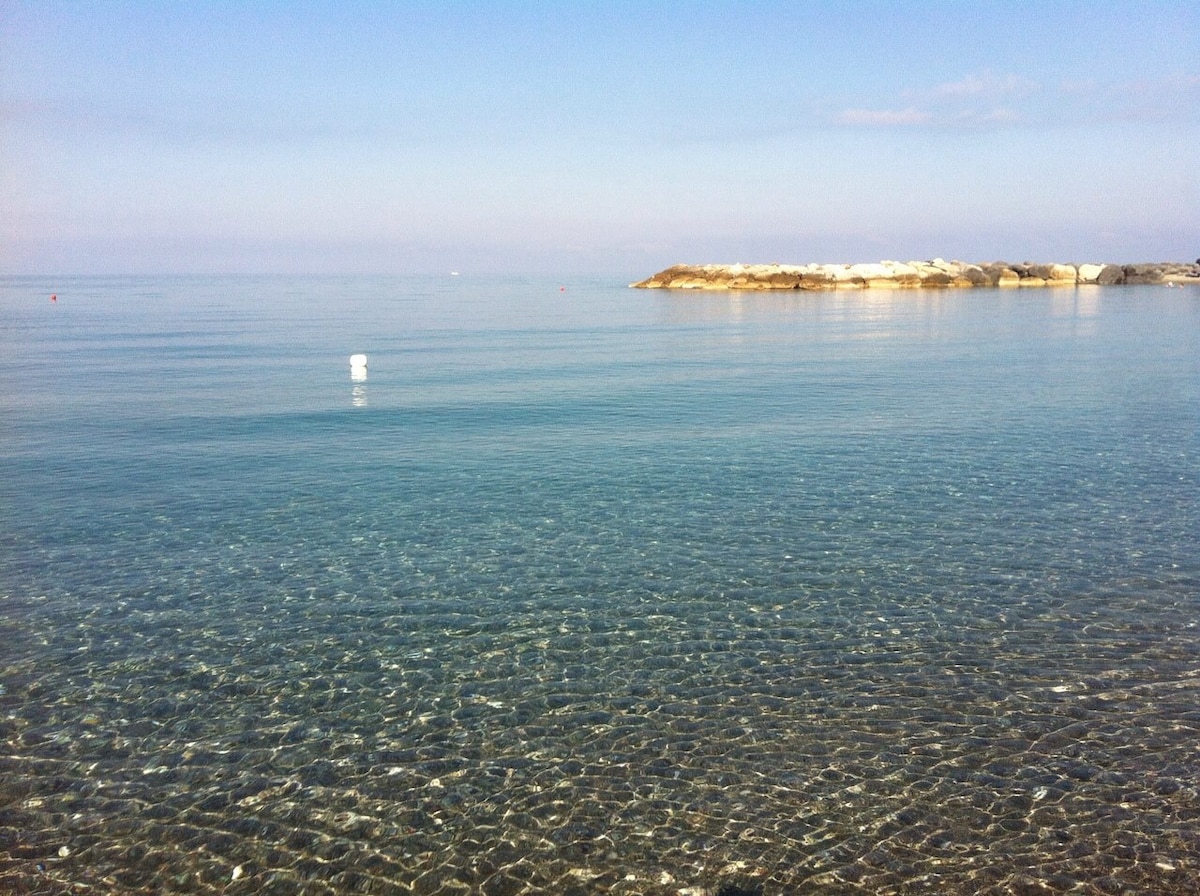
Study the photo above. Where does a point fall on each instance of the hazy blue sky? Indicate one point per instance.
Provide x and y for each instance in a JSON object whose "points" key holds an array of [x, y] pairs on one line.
{"points": [[607, 137]]}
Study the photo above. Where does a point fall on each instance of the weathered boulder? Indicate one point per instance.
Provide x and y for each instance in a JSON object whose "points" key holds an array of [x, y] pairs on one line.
{"points": [[1088, 273], [974, 275], [783, 279], [1000, 273], [871, 273], [1110, 275], [1143, 273], [934, 269], [841, 274], [1051, 273], [937, 279], [904, 274], [816, 279]]}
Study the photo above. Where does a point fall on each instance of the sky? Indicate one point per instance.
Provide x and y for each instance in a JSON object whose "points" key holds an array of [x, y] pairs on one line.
{"points": [[600, 137]]}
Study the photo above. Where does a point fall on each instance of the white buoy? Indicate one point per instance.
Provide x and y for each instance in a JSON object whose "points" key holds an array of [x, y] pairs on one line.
{"points": [[358, 367]]}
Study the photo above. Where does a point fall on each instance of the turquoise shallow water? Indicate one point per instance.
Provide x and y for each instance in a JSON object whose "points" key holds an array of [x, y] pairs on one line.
{"points": [[597, 590]]}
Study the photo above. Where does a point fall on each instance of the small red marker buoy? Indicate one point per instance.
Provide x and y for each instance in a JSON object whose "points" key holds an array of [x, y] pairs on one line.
{"points": [[54, 298], [562, 289]]}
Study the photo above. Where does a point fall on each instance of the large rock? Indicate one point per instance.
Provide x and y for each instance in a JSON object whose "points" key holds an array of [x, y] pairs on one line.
{"points": [[872, 273], [841, 274], [904, 274], [1143, 273], [817, 278], [975, 275], [1063, 274], [1051, 273], [1089, 273], [1000, 273], [781, 279]]}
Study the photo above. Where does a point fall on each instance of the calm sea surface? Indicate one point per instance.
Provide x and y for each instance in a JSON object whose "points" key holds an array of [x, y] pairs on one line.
{"points": [[585, 589]]}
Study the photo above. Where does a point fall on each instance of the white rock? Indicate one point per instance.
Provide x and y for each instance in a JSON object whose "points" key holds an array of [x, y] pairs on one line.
{"points": [[872, 271]]}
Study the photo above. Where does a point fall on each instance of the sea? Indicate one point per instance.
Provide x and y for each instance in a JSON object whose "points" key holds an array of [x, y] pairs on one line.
{"points": [[578, 589]]}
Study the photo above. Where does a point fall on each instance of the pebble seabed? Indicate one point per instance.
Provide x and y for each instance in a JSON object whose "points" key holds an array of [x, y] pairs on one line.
{"points": [[661, 743]]}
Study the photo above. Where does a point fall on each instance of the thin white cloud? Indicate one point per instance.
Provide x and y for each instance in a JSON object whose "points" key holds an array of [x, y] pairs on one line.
{"points": [[912, 116], [997, 115], [884, 117], [977, 100], [981, 84]]}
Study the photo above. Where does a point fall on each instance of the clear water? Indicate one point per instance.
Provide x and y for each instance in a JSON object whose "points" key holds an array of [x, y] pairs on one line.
{"points": [[597, 590]]}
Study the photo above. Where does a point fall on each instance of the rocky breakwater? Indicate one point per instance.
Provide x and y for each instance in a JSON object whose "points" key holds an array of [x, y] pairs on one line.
{"points": [[914, 275]]}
